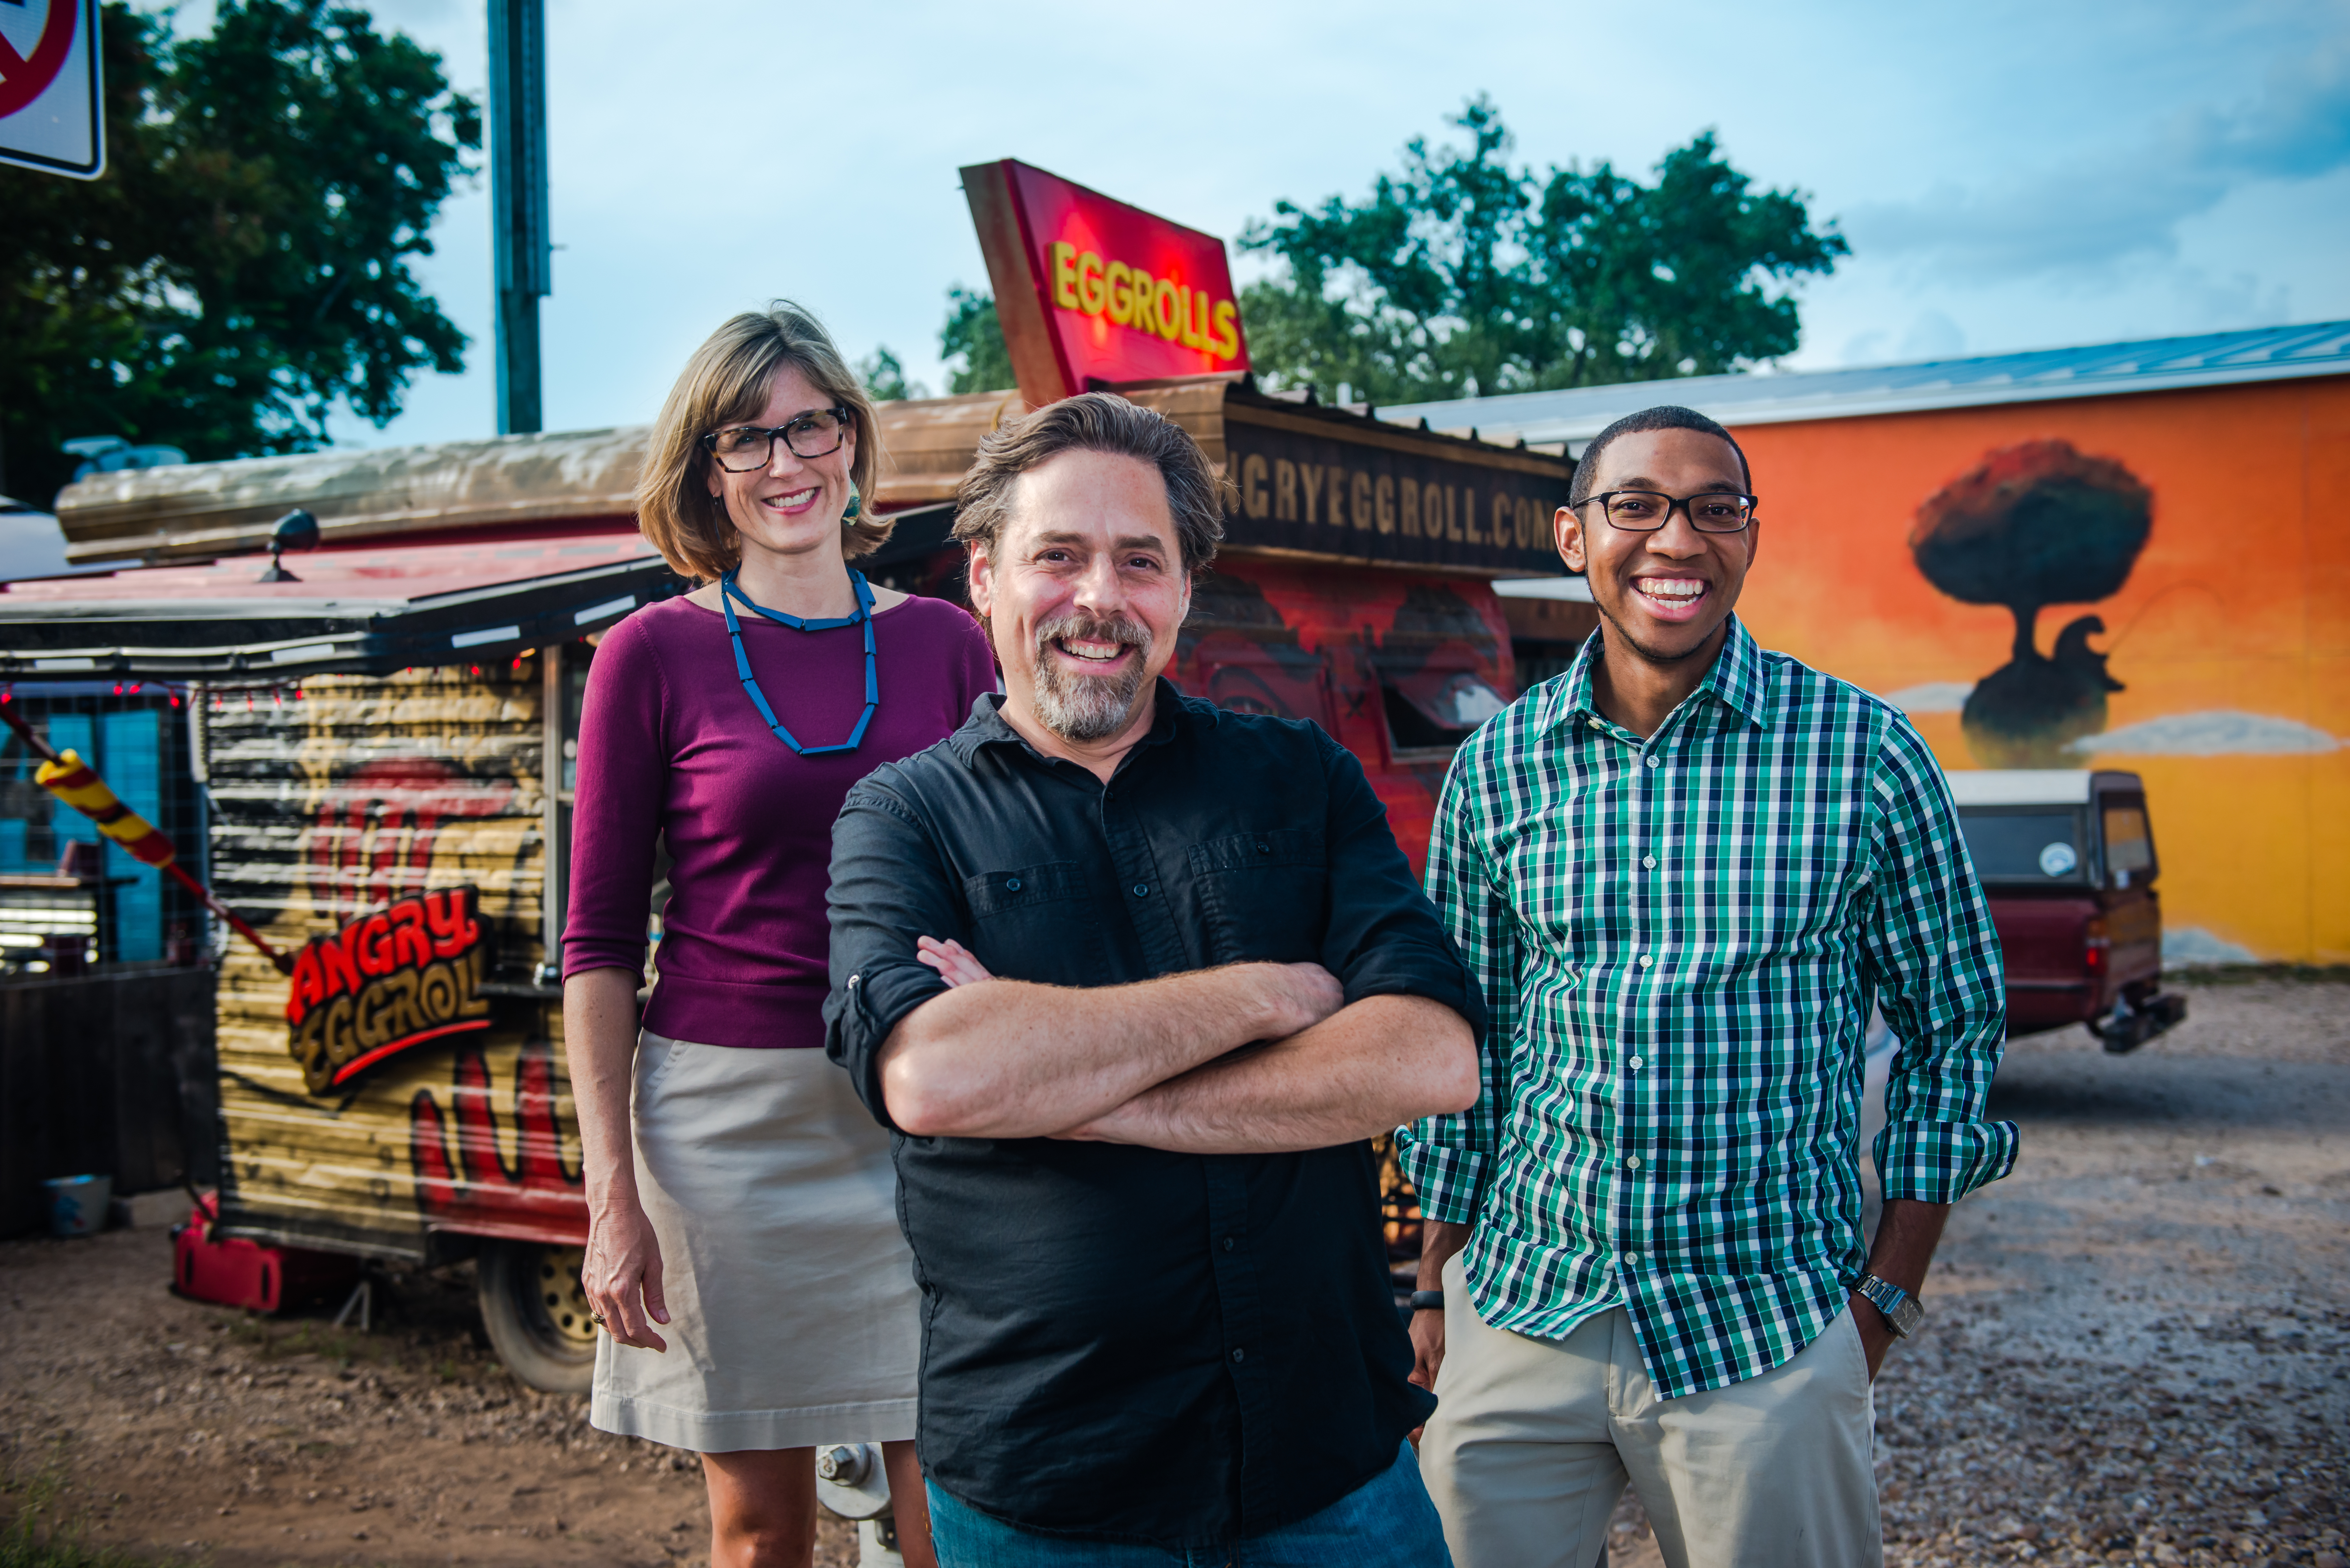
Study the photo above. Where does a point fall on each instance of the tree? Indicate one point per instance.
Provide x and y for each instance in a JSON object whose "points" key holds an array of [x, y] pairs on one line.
{"points": [[243, 266], [884, 375], [974, 335], [2034, 524], [1461, 277]]}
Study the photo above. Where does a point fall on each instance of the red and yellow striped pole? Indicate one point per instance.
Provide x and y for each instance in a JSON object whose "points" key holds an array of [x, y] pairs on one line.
{"points": [[64, 776]]}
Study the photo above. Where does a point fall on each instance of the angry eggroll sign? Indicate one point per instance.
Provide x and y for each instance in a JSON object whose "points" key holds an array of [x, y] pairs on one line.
{"points": [[391, 979]]}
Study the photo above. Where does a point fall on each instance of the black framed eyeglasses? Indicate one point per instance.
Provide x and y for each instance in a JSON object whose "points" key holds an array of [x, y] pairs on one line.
{"points": [[745, 449], [1646, 511]]}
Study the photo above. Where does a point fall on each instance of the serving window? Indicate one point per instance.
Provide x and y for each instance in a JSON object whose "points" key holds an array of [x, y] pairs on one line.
{"points": [[1431, 711]]}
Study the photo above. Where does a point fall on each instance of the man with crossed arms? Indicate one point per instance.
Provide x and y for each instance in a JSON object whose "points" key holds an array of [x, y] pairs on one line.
{"points": [[1682, 872], [1133, 979]]}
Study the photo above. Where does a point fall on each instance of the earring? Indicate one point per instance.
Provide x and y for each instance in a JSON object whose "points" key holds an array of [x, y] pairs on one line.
{"points": [[855, 508]]}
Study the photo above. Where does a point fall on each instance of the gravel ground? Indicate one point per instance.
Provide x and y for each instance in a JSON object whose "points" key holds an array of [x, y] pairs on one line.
{"points": [[190, 1433], [2136, 1354]]}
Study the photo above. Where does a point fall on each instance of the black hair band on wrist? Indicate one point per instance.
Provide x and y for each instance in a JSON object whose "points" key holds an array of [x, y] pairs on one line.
{"points": [[1428, 1301]]}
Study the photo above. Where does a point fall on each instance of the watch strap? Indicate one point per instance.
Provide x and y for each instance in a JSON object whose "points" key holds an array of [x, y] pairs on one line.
{"points": [[1901, 1310], [1428, 1301]]}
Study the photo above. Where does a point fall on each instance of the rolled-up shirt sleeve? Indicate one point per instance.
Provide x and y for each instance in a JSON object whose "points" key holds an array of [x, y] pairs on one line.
{"points": [[889, 885], [1934, 957], [1383, 937]]}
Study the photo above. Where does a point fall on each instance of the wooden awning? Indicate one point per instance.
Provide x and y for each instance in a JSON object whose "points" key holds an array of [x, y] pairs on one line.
{"points": [[1303, 481], [209, 509]]}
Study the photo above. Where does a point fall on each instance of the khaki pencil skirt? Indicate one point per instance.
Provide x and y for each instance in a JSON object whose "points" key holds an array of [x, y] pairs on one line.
{"points": [[793, 1316]]}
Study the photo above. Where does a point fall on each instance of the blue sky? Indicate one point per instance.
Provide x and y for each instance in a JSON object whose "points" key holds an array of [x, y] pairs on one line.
{"points": [[2010, 175]]}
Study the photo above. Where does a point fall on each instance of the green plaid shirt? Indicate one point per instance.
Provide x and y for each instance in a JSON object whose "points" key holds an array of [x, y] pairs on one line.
{"points": [[1680, 939]]}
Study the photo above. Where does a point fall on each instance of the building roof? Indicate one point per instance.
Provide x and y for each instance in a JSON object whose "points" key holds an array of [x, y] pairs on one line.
{"points": [[365, 608], [2161, 364]]}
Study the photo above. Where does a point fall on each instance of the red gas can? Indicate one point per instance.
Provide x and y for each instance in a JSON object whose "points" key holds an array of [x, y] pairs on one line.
{"points": [[234, 1271]]}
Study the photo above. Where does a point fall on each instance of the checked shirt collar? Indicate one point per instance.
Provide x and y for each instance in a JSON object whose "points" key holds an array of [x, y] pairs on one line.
{"points": [[1736, 682]]}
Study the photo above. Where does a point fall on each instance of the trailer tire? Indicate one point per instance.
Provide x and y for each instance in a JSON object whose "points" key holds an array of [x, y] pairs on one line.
{"points": [[536, 1315]]}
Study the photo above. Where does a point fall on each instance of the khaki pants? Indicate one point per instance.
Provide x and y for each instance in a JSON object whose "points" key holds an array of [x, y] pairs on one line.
{"points": [[1532, 1441]]}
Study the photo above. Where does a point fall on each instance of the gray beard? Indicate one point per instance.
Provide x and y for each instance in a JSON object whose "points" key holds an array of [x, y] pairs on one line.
{"points": [[1083, 708]]}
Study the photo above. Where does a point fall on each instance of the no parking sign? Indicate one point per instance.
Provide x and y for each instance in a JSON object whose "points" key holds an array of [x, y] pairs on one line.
{"points": [[52, 115]]}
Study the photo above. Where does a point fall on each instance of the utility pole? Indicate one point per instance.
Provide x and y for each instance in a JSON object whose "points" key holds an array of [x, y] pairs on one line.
{"points": [[519, 201]]}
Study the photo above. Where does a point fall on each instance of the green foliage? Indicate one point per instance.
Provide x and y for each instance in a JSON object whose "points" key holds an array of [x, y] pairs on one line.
{"points": [[884, 375], [38, 1532], [974, 336], [243, 264], [1460, 276]]}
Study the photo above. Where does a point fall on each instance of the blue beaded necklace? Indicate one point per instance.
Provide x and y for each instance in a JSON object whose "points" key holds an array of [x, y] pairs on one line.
{"points": [[728, 593]]}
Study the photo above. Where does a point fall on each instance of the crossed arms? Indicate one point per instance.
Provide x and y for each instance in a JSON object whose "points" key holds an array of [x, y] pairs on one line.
{"points": [[1167, 1063], [1248, 1057]]}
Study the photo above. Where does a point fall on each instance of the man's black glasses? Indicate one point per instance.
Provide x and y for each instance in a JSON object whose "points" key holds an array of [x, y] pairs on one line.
{"points": [[743, 449], [1646, 511]]}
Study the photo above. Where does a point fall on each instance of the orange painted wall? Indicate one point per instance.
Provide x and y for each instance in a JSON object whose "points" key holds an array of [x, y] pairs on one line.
{"points": [[2240, 603]]}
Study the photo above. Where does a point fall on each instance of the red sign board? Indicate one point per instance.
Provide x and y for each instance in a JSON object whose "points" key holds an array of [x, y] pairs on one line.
{"points": [[1092, 292]]}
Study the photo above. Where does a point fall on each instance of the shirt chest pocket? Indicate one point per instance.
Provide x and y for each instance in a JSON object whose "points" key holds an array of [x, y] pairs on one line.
{"points": [[1263, 896], [1037, 923]]}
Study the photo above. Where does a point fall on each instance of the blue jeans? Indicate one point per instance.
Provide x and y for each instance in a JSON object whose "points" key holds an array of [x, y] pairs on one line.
{"points": [[1386, 1522]]}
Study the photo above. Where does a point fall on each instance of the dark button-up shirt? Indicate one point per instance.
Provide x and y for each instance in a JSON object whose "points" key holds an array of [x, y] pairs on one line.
{"points": [[1120, 1342]]}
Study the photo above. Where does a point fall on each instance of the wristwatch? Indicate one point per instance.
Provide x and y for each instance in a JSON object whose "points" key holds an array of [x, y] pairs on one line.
{"points": [[1902, 1313]]}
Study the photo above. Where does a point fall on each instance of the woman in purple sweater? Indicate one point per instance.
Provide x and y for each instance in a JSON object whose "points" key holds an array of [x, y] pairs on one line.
{"points": [[742, 1252]]}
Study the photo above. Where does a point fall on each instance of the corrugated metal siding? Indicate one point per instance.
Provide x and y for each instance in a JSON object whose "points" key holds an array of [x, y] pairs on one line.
{"points": [[329, 804]]}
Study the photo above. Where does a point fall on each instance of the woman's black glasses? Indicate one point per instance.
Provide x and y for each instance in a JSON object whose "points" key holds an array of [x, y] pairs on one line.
{"points": [[745, 449]]}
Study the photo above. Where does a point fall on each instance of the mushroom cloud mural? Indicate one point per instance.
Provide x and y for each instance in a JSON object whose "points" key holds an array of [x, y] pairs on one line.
{"points": [[2033, 524]]}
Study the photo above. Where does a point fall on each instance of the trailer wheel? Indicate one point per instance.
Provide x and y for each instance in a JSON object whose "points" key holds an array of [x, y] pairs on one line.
{"points": [[536, 1315]]}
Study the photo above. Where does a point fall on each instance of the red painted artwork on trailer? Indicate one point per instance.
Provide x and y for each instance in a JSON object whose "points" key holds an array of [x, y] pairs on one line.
{"points": [[386, 982]]}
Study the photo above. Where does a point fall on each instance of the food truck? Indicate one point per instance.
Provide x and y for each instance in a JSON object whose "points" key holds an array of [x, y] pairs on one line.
{"points": [[381, 731]]}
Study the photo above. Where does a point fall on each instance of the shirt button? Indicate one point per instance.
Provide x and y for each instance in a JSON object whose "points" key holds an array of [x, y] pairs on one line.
{"points": [[1142, 889], [1239, 1355], [1649, 861], [1636, 1063], [1634, 1163], [1652, 762], [1646, 961], [1631, 1257], [1597, 725], [1011, 886], [1229, 1243]]}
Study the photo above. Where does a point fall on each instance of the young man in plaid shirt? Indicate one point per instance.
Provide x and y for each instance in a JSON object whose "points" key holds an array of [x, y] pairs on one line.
{"points": [[1682, 872]]}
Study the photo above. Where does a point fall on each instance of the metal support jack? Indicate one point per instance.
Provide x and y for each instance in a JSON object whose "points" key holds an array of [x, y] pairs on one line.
{"points": [[362, 1300]]}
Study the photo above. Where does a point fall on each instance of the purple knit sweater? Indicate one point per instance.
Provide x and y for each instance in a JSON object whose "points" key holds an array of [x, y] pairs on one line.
{"points": [[669, 743]]}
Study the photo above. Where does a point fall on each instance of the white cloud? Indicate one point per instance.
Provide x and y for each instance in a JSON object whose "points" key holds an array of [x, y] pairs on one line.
{"points": [[2185, 945], [2100, 207], [1933, 697], [2220, 732]]}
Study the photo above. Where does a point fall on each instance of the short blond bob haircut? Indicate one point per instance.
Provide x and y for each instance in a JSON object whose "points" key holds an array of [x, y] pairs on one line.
{"points": [[726, 382]]}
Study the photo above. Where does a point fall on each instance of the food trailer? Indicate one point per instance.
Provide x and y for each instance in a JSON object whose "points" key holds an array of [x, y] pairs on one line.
{"points": [[382, 729]]}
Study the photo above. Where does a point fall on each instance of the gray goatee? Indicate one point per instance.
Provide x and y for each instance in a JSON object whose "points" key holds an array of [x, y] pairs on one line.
{"points": [[1088, 707]]}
